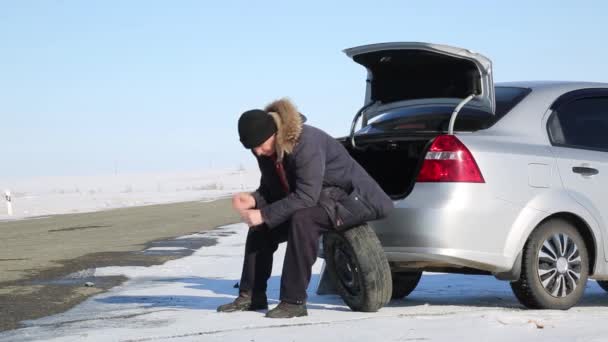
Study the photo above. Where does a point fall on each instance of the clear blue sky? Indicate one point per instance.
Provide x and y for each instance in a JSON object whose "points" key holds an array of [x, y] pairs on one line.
{"points": [[90, 86]]}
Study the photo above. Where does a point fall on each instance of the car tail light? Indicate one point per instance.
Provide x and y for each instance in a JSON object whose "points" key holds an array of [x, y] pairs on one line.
{"points": [[448, 160]]}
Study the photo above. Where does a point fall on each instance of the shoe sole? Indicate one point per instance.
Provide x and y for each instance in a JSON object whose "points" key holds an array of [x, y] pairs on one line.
{"points": [[256, 308], [294, 316]]}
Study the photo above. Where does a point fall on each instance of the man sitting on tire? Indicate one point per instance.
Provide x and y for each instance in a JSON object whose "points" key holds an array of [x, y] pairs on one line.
{"points": [[309, 185]]}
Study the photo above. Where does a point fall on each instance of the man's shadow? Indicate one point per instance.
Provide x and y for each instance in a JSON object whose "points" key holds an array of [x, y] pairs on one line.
{"points": [[224, 291]]}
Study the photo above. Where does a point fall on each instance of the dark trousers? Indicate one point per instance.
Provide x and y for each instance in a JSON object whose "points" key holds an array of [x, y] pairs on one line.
{"points": [[302, 233]]}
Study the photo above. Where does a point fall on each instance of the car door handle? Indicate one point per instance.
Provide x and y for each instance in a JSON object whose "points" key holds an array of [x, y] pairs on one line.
{"points": [[585, 171]]}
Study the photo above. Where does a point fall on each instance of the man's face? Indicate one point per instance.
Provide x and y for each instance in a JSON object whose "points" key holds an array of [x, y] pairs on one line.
{"points": [[266, 148]]}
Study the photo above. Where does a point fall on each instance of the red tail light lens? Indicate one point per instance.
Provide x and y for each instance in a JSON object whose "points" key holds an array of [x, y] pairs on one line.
{"points": [[448, 160]]}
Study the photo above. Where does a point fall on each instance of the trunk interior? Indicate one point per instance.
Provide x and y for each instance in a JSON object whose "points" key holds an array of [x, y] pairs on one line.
{"points": [[400, 75], [393, 164]]}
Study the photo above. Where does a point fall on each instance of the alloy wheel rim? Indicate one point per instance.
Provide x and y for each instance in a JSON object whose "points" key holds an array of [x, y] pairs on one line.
{"points": [[559, 265]]}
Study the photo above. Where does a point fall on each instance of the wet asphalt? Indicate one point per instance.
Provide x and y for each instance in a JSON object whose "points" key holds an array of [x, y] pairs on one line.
{"points": [[47, 263]]}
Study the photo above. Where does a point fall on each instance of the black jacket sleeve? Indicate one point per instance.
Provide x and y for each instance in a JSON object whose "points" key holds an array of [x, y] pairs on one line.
{"points": [[309, 157], [260, 201]]}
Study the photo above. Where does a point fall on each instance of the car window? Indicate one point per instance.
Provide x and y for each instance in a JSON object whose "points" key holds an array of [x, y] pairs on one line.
{"points": [[581, 123], [507, 98], [437, 117]]}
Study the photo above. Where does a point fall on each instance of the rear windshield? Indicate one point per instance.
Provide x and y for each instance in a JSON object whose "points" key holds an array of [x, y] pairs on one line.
{"points": [[436, 117]]}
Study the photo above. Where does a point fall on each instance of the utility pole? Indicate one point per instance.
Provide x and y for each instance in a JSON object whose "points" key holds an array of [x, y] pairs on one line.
{"points": [[9, 204]]}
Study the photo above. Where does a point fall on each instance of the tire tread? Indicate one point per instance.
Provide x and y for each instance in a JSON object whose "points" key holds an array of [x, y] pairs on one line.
{"points": [[374, 269]]}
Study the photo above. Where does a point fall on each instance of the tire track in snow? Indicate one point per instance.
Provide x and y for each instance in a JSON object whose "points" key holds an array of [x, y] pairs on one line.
{"points": [[278, 326], [107, 318]]}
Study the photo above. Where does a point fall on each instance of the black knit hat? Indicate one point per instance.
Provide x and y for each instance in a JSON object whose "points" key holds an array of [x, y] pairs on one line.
{"points": [[255, 127]]}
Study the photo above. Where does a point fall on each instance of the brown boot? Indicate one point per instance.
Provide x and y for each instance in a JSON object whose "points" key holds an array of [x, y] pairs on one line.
{"points": [[245, 302], [287, 310]]}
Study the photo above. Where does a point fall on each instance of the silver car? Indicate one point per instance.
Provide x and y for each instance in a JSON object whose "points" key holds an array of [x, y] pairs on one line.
{"points": [[506, 179]]}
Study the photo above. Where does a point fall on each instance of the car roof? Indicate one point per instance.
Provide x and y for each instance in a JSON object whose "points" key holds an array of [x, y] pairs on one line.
{"points": [[525, 119], [559, 87]]}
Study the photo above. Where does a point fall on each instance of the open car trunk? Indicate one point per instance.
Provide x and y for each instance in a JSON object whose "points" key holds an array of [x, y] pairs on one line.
{"points": [[392, 147], [394, 164], [413, 91], [420, 72]]}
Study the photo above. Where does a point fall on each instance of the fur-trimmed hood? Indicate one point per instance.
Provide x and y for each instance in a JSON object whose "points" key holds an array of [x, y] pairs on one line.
{"points": [[289, 125]]}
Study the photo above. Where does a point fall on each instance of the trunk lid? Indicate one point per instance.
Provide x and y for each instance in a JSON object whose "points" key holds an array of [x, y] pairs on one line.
{"points": [[413, 73]]}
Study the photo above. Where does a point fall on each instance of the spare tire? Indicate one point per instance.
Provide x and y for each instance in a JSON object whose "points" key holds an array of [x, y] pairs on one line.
{"points": [[357, 266]]}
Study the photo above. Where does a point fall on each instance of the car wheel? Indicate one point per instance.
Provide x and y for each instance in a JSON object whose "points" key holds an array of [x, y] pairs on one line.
{"points": [[554, 267], [404, 283], [358, 268]]}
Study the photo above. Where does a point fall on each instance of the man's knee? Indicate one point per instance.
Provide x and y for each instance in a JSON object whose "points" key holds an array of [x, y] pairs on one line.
{"points": [[305, 215], [310, 218]]}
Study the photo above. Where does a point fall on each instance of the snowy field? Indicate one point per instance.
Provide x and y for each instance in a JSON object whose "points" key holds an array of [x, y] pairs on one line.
{"points": [[176, 302], [63, 195]]}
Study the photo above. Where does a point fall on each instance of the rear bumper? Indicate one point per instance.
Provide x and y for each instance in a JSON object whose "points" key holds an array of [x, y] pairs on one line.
{"points": [[449, 225]]}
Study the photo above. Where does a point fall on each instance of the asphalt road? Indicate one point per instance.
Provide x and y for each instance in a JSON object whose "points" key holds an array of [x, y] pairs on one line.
{"points": [[37, 254]]}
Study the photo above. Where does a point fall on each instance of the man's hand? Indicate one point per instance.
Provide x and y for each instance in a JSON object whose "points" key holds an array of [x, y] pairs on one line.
{"points": [[243, 201], [252, 217]]}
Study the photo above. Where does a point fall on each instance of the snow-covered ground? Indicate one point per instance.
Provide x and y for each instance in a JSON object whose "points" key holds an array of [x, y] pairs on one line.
{"points": [[176, 302], [60, 195]]}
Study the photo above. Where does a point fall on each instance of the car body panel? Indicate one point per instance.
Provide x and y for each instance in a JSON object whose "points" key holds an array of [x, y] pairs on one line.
{"points": [[588, 191]]}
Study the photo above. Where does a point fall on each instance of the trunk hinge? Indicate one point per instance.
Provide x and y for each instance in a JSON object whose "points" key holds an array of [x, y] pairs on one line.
{"points": [[351, 136], [455, 113]]}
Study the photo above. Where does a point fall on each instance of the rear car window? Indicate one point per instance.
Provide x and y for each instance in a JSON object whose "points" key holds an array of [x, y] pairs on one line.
{"points": [[581, 123], [434, 118], [507, 98]]}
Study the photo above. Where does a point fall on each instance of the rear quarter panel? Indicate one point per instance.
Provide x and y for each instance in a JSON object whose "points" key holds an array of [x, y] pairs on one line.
{"points": [[519, 167]]}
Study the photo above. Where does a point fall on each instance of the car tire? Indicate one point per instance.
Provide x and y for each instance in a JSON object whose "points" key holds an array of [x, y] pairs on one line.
{"points": [[358, 268], [555, 266], [404, 283]]}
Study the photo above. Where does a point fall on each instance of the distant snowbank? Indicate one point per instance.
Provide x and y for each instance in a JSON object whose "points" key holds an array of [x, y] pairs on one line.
{"points": [[61, 195]]}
